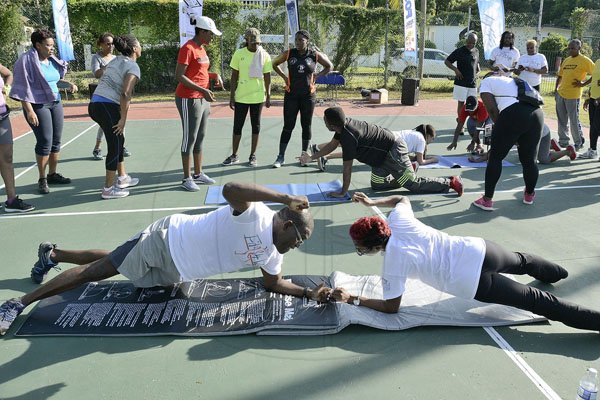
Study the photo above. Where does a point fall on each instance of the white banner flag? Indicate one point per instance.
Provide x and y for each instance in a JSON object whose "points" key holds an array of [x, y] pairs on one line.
{"points": [[410, 29], [63, 31], [189, 10], [293, 18], [491, 14]]}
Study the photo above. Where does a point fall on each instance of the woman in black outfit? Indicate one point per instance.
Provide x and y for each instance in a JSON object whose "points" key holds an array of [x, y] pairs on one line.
{"points": [[300, 90]]}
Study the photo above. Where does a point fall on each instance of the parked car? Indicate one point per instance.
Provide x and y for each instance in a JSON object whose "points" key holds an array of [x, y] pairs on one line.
{"points": [[433, 64]]}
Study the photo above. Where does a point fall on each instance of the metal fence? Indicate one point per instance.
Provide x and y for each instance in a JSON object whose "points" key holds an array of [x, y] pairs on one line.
{"points": [[368, 69]]}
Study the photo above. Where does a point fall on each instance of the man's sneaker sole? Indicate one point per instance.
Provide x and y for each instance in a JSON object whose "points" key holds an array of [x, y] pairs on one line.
{"points": [[40, 270]]}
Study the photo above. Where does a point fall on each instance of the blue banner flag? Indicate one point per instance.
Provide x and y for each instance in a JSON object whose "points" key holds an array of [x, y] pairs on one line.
{"points": [[491, 14], [63, 31]]}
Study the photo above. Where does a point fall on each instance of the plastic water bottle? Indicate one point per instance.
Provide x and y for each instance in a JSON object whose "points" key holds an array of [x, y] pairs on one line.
{"points": [[588, 386]]}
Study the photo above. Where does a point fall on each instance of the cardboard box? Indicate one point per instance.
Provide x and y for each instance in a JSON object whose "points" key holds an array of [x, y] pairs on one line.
{"points": [[378, 96]]}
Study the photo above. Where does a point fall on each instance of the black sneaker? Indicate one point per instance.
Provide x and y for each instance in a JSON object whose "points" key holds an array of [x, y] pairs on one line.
{"points": [[17, 205], [97, 154], [44, 263], [43, 186], [58, 179]]}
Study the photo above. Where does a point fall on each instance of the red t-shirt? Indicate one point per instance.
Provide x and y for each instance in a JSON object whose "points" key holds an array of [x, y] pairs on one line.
{"points": [[480, 114], [196, 59]]}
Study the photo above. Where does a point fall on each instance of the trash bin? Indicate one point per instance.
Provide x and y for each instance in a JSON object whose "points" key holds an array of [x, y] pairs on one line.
{"points": [[410, 91]]}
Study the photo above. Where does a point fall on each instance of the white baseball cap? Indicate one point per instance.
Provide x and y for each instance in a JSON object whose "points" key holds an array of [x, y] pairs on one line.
{"points": [[207, 24]]}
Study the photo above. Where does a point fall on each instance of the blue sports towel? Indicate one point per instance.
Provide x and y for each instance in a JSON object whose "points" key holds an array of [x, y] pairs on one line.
{"points": [[316, 192]]}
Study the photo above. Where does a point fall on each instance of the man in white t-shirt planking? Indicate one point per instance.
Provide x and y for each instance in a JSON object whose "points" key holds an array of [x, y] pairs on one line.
{"points": [[244, 234], [463, 266]]}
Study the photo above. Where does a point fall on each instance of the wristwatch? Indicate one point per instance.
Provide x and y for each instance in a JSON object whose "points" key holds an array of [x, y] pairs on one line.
{"points": [[356, 301]]}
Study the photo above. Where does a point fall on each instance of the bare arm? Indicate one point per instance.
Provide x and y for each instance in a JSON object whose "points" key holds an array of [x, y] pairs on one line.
{"points": [[6, 75], [126, 93], [346, 178], [239, 195], [327, 65], [389, 306], [275, 283], [457, 131], [448, 64], [490, 105], [277, 62], [267, 80], [188, 83], [388, 201], [30, 114], [233, 83]]}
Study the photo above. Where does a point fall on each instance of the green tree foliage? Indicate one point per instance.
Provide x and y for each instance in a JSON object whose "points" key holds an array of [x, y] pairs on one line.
{"points": [[11, 32], [358, 27]]}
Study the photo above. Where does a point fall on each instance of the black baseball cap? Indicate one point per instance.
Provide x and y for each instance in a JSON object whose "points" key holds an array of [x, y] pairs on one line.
{"points": [[471, 104]]}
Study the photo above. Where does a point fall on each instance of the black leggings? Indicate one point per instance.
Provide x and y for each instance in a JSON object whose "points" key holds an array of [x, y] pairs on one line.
{"points": [[521, 124], [496, 288], [594, 112], [107, 115], [239, 117], [292, 104]]}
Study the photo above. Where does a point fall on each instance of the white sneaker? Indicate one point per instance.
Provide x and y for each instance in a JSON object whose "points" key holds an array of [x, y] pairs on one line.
{"points": [[203, 179], [126, 181], [114, 192], [589, 154], [189, 184]]}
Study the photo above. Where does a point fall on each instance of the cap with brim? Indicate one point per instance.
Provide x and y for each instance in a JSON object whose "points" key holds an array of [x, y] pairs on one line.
{"points": [[471, 103], [207, 24]]}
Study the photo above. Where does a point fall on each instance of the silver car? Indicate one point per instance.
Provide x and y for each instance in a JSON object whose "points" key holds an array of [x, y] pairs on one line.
{"points": [[433, 64]]}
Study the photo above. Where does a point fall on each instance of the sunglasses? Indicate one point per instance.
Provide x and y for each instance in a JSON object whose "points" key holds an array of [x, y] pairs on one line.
{"points": [[299, 239]]}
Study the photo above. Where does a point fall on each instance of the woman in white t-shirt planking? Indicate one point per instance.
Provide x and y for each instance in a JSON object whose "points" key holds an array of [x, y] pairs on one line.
{"points": [[514, 123], [532, 66], [463, 266]]}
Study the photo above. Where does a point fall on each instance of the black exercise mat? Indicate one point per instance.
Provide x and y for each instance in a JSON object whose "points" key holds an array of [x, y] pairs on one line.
{"points": [[208, 307]]}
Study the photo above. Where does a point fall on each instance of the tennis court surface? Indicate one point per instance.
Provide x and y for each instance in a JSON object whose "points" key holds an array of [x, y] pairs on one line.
{"points": [[535, 361]]}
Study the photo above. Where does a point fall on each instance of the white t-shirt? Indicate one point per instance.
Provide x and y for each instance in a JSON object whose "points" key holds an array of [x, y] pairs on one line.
{"points": [[505, 57], [110, 84], [536, 61], [99, 62], [415, 141], [218, 242], [451, 264], [503, 88]]}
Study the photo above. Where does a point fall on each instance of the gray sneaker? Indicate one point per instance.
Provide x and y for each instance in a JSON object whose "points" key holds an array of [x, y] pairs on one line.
{"points": [[44, 263], [189, 184], [232, 159], [126, 181], [9, 311], [114, 192], [203, 179], [97, 154], [589, 154], [252, 160]]}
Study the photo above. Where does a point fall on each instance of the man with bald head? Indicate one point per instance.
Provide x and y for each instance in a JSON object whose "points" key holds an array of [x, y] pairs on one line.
{"points": [[570, 79], [466, 69], [243, 234]]}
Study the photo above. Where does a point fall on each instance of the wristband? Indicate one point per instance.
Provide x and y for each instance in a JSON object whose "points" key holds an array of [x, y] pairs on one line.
{"points": [[305, 292]]}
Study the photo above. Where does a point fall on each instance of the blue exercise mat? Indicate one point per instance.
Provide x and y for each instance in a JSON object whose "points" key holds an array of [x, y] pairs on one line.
{"points": [[459, 162], [316, 192]]}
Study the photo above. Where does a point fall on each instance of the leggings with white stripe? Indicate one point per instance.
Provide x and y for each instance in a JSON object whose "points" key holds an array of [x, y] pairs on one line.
{"points": [[194, 119]]}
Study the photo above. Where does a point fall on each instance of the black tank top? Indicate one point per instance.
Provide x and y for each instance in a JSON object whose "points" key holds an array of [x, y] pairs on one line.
{"points": [[301, 70]]}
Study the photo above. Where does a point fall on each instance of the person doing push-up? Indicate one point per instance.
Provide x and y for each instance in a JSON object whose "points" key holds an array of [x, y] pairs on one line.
{"points": [[245, 233]]}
